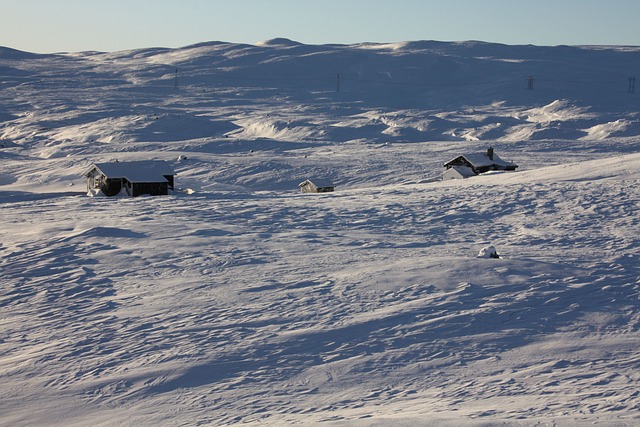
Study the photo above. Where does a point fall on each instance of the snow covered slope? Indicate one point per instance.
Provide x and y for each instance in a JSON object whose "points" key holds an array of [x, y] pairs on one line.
{"points": [[238, 300]]}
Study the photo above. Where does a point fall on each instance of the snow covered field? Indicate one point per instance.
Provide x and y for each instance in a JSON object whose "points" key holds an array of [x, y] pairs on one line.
{"points": [[239, 300]]}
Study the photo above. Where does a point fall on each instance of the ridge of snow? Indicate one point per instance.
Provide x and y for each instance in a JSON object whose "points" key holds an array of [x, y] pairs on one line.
{"points": [[279, 42], [605, 130]]}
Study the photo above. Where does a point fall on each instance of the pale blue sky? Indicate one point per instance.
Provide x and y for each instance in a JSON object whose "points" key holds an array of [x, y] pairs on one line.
{"points": [[108, 25]]}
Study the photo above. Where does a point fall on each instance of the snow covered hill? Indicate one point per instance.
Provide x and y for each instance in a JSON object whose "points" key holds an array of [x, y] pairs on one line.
{"points": [[239, 300]]}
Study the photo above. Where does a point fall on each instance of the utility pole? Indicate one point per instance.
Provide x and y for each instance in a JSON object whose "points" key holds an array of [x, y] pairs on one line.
{"points": [[632, 85], [338, 83], [176, 79], [530, 83]]}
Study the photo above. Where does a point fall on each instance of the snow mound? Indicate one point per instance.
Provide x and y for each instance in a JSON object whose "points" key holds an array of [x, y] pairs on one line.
{"points": [[606, 130], [284, 130], [488, 252], [279, 42]]}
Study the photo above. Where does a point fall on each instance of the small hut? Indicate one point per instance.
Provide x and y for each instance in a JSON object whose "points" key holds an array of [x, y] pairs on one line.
{"points": [[473, 164], [147, 177], [316, 185]]}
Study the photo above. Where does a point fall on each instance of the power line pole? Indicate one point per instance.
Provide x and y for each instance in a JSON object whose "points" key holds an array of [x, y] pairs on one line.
{"points": [[632, 85], [338, 83], [176, 79], [530, 83]]}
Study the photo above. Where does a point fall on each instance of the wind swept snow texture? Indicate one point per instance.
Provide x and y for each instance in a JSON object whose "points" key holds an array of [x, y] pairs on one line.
{"points": [[238, 300]]}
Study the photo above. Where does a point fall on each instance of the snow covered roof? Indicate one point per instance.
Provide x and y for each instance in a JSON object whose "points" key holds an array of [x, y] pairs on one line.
{"points": [[138, 171], [481, 159]]}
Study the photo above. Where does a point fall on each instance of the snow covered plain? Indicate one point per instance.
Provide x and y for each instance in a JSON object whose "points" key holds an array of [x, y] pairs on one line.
{"points": [[238, 300]]}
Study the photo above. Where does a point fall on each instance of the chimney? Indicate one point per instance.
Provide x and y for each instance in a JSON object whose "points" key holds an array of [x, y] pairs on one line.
{"points": [[490, 153]]}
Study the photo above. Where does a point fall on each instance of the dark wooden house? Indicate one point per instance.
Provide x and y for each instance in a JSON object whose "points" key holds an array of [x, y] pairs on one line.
{"points": [[316, 185], [476, 163], [147, 177]]}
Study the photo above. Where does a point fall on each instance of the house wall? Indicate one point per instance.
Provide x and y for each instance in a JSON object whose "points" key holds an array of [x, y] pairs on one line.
{"points": [[97, 181], [324, 189], [308, 188], [169, 180], [451, 173], [111, 186], [93, 181], [148, 188]]}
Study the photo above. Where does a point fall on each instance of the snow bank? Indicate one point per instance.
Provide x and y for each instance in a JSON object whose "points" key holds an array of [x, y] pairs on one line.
{"points": [[488, 252], [606, 130]]}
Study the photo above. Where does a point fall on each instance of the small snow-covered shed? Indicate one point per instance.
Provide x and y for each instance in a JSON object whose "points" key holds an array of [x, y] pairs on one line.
{"points": [[147, 177], [476, 163], [316, 185]]}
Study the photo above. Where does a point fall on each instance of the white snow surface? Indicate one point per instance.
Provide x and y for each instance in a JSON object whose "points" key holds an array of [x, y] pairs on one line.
{"points": [[237, 300]]}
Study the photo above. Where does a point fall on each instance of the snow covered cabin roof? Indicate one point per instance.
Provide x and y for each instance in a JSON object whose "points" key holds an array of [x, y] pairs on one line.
{"points": [[482, 160], [137, 171]]}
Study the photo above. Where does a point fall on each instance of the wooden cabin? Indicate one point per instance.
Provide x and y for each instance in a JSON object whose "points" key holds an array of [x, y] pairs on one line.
{"points": [[147, 177], [316, 185], [474, 164]]}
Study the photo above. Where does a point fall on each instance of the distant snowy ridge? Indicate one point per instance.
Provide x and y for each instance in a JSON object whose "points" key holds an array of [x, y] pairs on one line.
{"points": [[506, 93]]}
